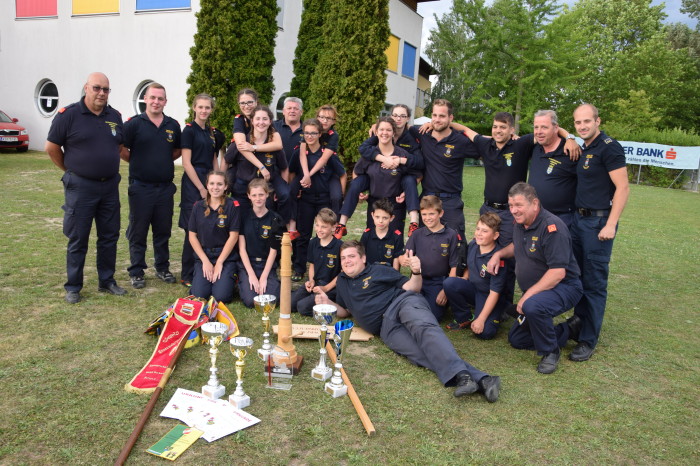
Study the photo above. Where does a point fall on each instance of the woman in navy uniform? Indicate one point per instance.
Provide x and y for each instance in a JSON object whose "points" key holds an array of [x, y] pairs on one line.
{"points": [[199, 157], [213, 232], [259, 244]]}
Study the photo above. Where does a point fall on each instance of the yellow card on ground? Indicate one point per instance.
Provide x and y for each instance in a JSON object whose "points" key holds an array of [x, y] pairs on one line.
{"points": [[175, 442]]}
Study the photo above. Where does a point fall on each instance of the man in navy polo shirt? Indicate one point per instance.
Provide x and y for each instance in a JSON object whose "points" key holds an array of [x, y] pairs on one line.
{"points": [[552, 172], [547, 273], [151, 144], [388, 304], [601, 195], [289, 126], [84, 141]]}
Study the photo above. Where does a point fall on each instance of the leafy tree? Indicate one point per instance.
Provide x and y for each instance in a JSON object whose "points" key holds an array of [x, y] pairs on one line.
{"points": [[351, 68], [233, 48], [692, 9], [309, 45], [681, 36], [495, 58], [633, 113]]}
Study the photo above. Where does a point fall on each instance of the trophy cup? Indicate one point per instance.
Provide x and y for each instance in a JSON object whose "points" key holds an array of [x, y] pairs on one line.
{"points": [[265, 304], [336, 387], [239, 348], [324, 314], [215, 333]]}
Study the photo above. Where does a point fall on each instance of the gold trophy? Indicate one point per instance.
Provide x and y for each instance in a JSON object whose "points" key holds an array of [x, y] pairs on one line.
{"points": [[265, 304], [239, 348], [325, 314], [215, 333], [336, 387]]}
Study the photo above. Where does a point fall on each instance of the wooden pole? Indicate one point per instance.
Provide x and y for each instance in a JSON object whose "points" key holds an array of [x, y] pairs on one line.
{"points": [[352, 394], [131, 441]]}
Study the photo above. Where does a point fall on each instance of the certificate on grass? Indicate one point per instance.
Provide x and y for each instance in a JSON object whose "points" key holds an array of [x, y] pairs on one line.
{"points": [[175, 442], [216, 418]]}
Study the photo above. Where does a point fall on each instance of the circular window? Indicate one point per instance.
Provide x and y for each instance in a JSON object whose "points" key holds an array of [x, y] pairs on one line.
{"points": [[46, 97], [139, 102]]}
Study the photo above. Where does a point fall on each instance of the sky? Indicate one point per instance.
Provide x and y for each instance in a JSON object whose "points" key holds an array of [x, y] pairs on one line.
{"points": [[427, 9]]}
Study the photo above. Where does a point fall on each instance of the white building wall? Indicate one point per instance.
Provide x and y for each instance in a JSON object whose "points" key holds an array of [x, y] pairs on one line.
{"points": [[133, 47]]}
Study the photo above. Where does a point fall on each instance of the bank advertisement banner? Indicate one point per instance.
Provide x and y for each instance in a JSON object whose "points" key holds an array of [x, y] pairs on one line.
{"points": [[658, 155]]}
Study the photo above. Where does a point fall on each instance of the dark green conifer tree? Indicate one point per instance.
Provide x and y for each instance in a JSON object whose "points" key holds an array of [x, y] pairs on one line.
{"points": [[310, 42]]}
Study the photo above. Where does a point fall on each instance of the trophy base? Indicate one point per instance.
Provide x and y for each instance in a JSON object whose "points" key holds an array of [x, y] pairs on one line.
{"points": [[322, 374], [295, 367], [239, 402], [336, 391], [213, 392], [264, 354]]}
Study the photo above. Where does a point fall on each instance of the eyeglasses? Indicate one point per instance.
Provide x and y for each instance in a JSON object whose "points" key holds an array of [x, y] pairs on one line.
{"points": [[326, 118], [247, 103], [394, 115], [311, 133], [97, 89]]}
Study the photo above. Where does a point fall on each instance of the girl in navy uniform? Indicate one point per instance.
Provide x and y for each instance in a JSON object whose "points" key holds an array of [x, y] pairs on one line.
{"points": [[259, 244], [199, 157], [213, 232], [273, 163]]}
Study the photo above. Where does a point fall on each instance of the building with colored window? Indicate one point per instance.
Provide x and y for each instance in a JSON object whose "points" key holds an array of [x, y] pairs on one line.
{"points": [[48, 47]]}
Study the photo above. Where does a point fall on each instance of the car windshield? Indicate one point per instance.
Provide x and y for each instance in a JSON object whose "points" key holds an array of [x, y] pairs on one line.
{"points": [[4, 118]]}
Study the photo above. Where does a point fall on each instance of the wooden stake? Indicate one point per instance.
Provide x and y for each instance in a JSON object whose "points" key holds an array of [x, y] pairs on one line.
{"points": [[352, 394]]}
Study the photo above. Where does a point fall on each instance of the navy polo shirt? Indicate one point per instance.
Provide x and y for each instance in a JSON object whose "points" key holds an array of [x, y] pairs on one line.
{"points": [[219, 139], [553, 174], [369, 294], [290, 139], [545, 245], [213, 229], [90, 142], [409, 142], [202, 142], [320, 181], [151, 146], [477, 262], [437, 251], [384, 250], [503, 167], [275, 162], [595, 189], [444, 161], [241, 124], [386, 182], [262, 233], [326, 259], [329, 140]]}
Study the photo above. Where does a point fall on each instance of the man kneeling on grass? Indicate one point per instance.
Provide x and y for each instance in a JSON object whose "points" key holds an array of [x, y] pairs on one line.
{"points": [[389, 304]]}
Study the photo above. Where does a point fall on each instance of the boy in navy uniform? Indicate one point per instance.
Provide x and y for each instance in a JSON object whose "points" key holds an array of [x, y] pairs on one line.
{"points": [[436, 246], [324, 264], [601, 195], [478, 288], [382, 245], [548, 275], [151, 144], [386, 303]]}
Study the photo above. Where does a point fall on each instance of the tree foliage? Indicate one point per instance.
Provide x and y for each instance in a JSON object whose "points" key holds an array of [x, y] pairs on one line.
{"points": [[350, 73], [310, 42], [233, 48]]}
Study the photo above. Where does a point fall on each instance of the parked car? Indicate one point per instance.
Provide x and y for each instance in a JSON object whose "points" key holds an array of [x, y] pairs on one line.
{"points": [[12, 135]]}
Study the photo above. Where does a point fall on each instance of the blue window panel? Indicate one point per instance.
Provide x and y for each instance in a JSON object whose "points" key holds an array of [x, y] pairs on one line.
{"points": [[408, 66], [161, 4]]}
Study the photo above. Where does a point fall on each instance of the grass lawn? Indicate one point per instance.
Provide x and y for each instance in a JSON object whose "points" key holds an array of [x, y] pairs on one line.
{"points": [[63, 367]]}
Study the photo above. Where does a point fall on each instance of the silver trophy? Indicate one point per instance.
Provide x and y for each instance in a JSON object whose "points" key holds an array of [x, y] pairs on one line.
{"points": [[265, 304], [325, 314], [336, 387], [239, 348], [215, 333]]}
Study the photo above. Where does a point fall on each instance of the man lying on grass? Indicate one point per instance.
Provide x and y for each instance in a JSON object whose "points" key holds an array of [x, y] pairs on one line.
{"points": [[390, 305]]}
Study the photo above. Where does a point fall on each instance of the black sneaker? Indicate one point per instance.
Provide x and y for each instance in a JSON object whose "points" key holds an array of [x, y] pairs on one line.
{"points": [[491, 387], [166, 276], [465, 385], [454, 325], [112, 288], [72, 297], [138, 282]]}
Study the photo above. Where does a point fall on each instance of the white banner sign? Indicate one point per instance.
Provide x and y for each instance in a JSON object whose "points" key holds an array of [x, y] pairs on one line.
{"points": [[680, 158]]}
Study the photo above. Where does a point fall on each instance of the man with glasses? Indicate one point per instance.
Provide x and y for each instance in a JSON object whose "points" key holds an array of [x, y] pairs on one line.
{"points": [[151, 144], [85, 140]]}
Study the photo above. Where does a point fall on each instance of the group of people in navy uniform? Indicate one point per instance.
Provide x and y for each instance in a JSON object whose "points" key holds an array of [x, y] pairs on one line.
{"points": [[553, 232]]}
